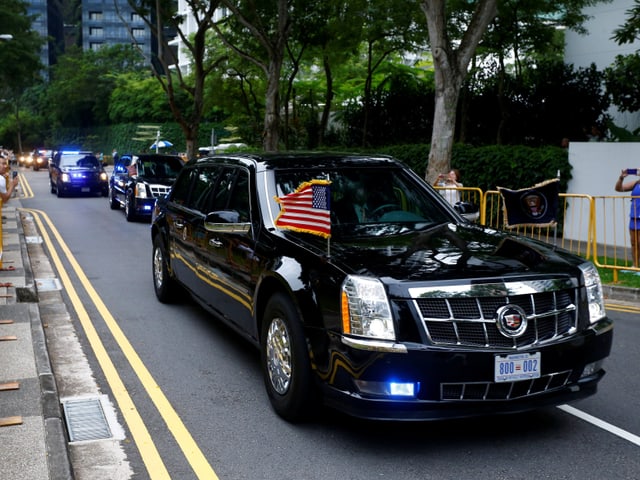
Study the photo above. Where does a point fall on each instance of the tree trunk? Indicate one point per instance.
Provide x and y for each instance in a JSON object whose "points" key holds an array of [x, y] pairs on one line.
{"points": [[328, 101], [450, 67], [444, 122], [272, 107]]}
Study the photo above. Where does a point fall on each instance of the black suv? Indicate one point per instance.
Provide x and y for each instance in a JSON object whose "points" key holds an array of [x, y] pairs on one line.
{"points": [[362, 287], [137, 180], [77, 172]]}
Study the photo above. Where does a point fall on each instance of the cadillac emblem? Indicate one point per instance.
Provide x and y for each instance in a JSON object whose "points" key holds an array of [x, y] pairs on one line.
{"points": [[511, 320]]}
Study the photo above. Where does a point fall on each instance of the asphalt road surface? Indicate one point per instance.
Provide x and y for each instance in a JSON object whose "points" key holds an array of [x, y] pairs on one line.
{"points": [[198, 392]]}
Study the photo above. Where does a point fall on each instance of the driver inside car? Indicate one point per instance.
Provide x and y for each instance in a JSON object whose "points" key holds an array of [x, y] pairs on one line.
{"points": [[363, 199]]}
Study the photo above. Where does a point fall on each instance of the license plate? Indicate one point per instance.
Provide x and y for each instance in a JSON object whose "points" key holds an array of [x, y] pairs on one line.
{"points": [[519, 366], [85, 189]]}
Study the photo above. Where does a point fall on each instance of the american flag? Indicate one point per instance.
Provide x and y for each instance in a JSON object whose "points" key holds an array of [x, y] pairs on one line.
{"points": [[307, 209]]}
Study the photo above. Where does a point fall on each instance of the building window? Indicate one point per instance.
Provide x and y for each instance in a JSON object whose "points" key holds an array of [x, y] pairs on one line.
{"points": [[96, 32], [95, 46], [137, 32], [135, 17], [96, 16]]}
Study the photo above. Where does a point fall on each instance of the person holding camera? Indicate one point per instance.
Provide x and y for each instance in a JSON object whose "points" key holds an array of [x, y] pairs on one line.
{"points": [[6, 190], [449, 184], [634, 212]]}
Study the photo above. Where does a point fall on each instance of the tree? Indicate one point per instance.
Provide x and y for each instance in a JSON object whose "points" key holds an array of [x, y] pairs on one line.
{"points": [[630, 31], [82, 82], [621, 77], [269, 24], [159, 13], [450, 61], [19, 57]]}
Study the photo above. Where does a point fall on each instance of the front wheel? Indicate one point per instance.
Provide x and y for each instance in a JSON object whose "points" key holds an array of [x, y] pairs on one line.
{"points": [[129, 209], [285, 361], [113, 201], [164, 284]]}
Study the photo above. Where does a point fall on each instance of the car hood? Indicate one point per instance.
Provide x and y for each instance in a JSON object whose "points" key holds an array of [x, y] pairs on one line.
{"points": [[445, 252], [73, 168], [156, 180]]}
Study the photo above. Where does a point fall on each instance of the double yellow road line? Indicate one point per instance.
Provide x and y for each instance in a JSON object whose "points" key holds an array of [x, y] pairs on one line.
{"points": [[139, 431]]}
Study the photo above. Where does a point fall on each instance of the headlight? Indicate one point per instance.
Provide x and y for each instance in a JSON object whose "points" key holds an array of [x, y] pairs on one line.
{"points": [[365, 309], [103, 177], [64, 177], [594, 291], [141, 190]]}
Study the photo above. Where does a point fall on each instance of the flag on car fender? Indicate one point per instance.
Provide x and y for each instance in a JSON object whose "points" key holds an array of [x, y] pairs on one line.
{"points": [[537, 205], [307, 209]]}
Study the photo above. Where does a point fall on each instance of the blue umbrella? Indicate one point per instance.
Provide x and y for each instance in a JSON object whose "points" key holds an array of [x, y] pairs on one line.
{"points": [[161, 144]]}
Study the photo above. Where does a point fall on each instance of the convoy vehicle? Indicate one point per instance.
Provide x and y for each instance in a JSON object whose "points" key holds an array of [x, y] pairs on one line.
{"points": [[72, 171], [137, 180], [365, 291]]}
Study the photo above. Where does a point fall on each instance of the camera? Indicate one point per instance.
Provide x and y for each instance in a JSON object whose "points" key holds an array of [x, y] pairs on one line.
{"points": [[632, 171], [14, 174]]}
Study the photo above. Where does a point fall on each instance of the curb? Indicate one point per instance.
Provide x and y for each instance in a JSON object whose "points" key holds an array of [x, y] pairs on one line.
{"points": [[624, 294], [58, 458]]}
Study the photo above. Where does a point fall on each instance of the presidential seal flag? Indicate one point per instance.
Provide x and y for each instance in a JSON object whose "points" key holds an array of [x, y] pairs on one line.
{"points": [[534, 206], [307, 209]]}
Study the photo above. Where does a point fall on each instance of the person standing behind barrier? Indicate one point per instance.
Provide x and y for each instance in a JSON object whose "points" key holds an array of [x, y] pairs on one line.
{"points": [[449, 184], [634, 212], [6, 190]]}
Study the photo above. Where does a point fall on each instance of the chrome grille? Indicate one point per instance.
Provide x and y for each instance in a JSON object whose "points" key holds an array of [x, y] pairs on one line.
{"points": [[159, 190], [470, 321], [503, 391]]}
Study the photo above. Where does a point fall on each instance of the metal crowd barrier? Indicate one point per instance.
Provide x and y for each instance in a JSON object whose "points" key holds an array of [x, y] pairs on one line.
{"points": [[594, 227]]}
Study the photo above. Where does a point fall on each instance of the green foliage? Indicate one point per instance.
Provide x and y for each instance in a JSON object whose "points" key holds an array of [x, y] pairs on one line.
{"points": [[621, 81], [488, 167], [138, 97], [82, 83]]}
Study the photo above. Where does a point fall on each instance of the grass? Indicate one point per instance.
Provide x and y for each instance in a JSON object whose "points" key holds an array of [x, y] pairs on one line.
{"points": [[625, 279]]}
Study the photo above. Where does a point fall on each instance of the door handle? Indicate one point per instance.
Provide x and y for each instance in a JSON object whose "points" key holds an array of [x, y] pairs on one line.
{"points": [[179, 224], [214, 242]]}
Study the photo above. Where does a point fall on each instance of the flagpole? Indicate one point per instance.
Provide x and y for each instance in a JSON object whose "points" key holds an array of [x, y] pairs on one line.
{"points": [[329, 204], [555, 228]]}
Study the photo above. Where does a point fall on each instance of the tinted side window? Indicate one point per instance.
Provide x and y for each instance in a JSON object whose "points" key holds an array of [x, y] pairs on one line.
{"points": [[204, 187], [239, 200], [182, 187]]}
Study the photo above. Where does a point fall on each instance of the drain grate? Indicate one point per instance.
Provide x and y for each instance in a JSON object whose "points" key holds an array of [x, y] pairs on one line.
{"points": [[86, 419]]}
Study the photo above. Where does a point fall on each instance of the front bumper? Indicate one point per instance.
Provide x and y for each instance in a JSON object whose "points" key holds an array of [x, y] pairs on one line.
{"points": [[144, 206], [450, 383]]}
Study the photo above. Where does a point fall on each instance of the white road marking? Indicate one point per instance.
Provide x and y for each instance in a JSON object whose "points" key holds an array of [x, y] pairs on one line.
{"points": [[630, 437]]}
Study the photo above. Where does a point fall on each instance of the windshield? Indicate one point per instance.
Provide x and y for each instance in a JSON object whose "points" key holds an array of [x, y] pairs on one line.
{"points": [[159, 167], [79, 160], [360, 199]]}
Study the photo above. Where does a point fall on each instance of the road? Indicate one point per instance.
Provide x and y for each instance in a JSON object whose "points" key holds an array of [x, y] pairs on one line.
{"points": [[197, 392]]}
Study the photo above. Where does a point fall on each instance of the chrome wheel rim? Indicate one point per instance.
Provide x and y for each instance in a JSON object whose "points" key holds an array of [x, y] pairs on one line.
{"points": [[157, 267], [279, 356]]}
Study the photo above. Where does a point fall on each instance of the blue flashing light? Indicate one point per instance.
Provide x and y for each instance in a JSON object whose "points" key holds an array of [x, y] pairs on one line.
{"points": [[402, 389]]}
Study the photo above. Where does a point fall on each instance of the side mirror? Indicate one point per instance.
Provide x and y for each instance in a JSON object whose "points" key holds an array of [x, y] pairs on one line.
{"points": [[468, 210], [225, 221]]}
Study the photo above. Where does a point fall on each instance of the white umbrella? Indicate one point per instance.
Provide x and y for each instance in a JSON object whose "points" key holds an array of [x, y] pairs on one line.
{"points": [[161, 144]]}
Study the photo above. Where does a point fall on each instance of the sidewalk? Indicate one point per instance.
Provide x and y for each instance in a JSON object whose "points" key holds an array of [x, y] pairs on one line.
{"points": [[33, 438], [33, 443]]}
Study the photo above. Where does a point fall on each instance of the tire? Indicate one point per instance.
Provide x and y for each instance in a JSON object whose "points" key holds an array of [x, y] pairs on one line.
{"points": [[129, 210], [59, 192], [286, 367], [113, 202], [164, 284], [52, 186]]}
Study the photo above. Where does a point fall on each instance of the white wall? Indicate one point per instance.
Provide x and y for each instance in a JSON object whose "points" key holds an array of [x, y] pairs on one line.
{"points": [[596, 168]]}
